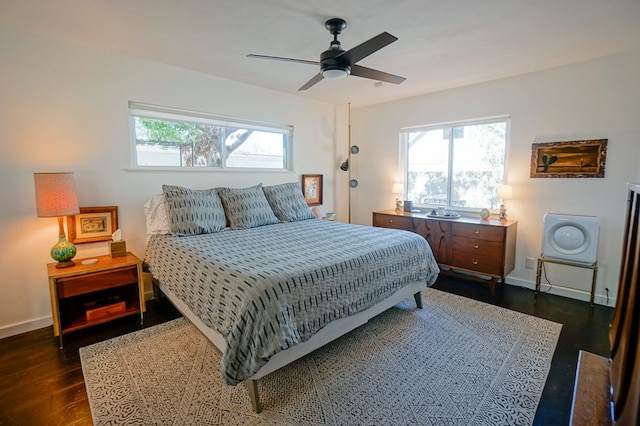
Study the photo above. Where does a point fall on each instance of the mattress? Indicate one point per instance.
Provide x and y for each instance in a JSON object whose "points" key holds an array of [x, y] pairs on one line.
{"points": [[267, 288]]}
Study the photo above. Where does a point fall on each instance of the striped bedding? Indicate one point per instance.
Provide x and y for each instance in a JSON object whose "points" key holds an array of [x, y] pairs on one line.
{"points": [[267, 288]]}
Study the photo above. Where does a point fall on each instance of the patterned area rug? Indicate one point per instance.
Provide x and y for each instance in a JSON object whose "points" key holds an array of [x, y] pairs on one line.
{"points": [[455, 362]]}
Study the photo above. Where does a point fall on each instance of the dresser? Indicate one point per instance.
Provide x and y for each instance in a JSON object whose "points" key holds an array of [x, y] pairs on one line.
{"points": [[484, 248]]}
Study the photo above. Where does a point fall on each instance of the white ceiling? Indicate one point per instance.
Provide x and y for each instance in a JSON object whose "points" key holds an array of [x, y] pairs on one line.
{"points": [[442, 43]]}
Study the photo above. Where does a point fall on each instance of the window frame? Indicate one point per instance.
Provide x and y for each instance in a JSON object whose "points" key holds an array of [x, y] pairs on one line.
{"points": [[137, 109], [403, 163]]}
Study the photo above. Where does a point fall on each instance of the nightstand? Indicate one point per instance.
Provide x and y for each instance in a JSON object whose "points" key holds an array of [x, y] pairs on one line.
{"points": [[86, 295]]}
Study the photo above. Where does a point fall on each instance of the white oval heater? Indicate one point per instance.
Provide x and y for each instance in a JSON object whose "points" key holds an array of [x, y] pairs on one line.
{"points": [[570, 237]]}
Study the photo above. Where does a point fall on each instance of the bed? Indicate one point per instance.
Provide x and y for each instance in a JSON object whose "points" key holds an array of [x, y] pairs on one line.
{"points": [[268, 291]]}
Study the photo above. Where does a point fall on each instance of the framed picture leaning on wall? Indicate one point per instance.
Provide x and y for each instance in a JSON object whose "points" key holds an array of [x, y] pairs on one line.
{"points": [[312, 189], [93, 224]]}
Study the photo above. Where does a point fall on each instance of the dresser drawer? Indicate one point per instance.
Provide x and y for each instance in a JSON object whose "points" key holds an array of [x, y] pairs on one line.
{"points": [[482, 232], [491, 265], [395, 222], [477, 246], [87, 283]]}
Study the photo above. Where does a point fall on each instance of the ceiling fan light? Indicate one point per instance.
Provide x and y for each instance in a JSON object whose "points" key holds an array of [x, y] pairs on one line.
{"points": [[335, 73]]}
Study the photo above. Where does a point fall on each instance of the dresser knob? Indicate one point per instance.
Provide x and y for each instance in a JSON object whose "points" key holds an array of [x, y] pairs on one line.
{"points": [[475, 246], [475, 262], [476, 232]]}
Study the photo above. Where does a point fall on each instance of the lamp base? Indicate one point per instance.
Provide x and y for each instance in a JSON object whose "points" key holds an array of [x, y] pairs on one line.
{"points": [[65, 264], [63, 251], [503, 212]]}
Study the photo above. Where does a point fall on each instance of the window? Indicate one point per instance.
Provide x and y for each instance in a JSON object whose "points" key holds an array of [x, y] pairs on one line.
{"points": [[458, 166], [166, 137]]}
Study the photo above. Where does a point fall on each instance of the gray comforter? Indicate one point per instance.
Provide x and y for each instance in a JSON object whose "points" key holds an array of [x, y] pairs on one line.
{"points": [[268, 288]]}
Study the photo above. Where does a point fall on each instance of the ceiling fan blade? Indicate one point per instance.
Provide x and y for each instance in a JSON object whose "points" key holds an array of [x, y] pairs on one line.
{"points": [[279, 58], [370, 46], [311, 82], [365, 72]]}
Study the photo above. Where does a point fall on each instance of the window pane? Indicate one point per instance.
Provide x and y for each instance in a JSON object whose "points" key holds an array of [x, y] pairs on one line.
{"points": [[177, 138], [457, 166], [427, 167], [478, 165], [177, 143], [260, 150]]}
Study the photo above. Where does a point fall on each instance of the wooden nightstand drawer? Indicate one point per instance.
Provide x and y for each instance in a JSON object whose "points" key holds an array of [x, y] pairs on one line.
{"points": [[88, 283]]}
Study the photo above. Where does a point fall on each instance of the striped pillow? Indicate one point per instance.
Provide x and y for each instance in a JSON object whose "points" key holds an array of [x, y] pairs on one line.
{"points": [[194, 211], [287, 202], [246, 207]]}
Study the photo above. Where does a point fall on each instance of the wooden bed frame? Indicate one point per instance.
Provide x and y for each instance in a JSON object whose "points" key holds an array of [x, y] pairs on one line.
{"points": [[327, 334]]}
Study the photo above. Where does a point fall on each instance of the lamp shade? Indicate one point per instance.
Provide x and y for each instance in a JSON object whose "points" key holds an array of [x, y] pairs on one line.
{"points": [[55, 194], [504, 192], [397, 188]]}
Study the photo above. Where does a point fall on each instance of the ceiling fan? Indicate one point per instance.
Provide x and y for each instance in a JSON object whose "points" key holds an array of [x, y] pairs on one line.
{"points": [[337, 63]]}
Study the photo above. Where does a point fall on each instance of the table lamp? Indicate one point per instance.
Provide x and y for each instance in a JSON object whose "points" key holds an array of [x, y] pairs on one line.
{"points": [[56, 197], [397, 189], [504, 192]]}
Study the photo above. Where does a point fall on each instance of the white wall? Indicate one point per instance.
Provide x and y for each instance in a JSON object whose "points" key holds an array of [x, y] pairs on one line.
{"points": [[592, 100], [63, 107]]}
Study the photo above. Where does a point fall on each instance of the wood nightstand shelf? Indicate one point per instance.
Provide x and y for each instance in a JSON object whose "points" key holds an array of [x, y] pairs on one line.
{"points": [[85, 295]]}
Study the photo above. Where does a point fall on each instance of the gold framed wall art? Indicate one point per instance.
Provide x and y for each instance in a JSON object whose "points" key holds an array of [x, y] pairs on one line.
{"points": [[569, 159]]}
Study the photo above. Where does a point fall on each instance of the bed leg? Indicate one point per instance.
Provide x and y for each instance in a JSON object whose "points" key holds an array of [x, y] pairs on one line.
{"points": [[252, 387], [418, 297]]}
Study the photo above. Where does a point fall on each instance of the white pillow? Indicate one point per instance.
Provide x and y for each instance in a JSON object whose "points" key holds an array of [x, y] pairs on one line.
{"points": [[156, 215]]}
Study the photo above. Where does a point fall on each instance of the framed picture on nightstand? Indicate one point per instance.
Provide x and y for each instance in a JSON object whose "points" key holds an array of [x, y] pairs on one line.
{"points": [[93, 224]]}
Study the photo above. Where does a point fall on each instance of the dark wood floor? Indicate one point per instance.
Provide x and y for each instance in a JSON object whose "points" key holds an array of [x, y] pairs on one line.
{"points": [[43, 385]]}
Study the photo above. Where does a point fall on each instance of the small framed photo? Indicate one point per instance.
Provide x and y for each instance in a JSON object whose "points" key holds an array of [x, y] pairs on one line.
{"points": [[93, 224], [570, 159], [312, 189]]}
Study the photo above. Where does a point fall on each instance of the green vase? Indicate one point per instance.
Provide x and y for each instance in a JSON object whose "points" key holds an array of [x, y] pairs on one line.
{"points": [[63, 251]]}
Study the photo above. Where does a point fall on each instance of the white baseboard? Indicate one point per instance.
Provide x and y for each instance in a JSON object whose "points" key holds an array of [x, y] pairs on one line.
{"points": [[557, 290], [23, 327]]}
